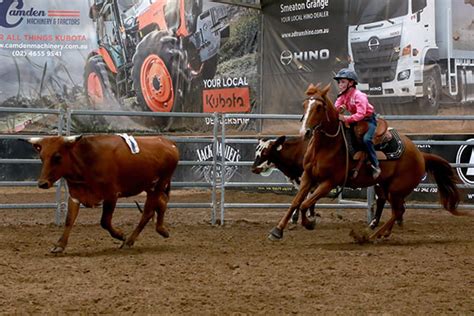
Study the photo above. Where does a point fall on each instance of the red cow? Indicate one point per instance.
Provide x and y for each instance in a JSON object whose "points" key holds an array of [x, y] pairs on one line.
{"points": [[100, 169]]}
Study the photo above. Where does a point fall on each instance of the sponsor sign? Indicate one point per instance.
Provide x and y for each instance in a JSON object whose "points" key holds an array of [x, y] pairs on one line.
{"points": [[206, 153], [465, 155], [40, 39], [375, 89], [228, 100]]}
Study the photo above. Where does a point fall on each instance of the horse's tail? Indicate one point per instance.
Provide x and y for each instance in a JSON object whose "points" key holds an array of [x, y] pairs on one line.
{"points": [[446, 179]]}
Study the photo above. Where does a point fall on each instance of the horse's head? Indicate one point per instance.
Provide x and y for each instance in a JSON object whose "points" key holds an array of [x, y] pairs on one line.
{"points": [[318, 109]]}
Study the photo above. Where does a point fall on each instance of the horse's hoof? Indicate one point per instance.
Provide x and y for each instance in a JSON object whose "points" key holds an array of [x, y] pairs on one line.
{"points": [[163, 232], [275, 234], [57, 249], [310, 224]]}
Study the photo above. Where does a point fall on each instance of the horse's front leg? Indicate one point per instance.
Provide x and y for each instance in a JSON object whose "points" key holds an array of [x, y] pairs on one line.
{"points": [[321, 190], [277, 232]]}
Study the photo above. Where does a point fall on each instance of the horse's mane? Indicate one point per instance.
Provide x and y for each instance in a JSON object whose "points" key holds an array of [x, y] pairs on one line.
{"points": [[313, 89]]}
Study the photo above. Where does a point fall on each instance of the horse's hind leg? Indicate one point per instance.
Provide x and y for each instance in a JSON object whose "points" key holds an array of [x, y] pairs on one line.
{"points": [[398, 208], [380, 204]]}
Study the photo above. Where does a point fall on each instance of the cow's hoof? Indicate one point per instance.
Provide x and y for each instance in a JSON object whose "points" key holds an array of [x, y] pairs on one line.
{"points": [[57, 249], [275, 234], [127, 244], [310, 224], [163, 232]]}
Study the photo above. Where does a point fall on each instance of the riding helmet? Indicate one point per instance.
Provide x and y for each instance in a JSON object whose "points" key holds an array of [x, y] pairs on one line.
{"points": [[346, 73]]}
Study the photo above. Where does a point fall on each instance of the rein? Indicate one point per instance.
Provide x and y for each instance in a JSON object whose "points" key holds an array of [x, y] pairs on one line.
{"points": [[318, 128]]}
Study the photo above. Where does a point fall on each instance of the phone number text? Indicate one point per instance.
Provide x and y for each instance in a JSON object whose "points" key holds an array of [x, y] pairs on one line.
{"points": [[36, 53]]}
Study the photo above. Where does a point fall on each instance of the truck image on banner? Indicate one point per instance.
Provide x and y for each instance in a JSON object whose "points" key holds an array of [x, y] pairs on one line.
{"points": [[413, 50]]}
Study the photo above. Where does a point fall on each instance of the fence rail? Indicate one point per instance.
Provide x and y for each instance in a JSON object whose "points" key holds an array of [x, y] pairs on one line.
{"points": [[63, 127]]}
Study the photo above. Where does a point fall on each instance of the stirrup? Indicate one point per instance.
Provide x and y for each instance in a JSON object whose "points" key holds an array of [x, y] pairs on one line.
{"points": [[376, 171]]}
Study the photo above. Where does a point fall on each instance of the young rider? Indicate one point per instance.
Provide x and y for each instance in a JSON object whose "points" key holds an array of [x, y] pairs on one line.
{"points": [[356, 102]]}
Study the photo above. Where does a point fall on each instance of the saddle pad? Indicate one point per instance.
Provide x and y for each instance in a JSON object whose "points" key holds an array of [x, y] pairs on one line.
{"points": [[131, 142], [394, 148]]}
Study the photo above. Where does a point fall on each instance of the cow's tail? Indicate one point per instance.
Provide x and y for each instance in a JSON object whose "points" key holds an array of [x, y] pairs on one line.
{"points": [[141, 211], [138, 206], [446, 179]]}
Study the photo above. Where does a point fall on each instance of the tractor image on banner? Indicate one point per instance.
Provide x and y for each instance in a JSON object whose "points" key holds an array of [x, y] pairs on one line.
{"points": [[150, 53]]}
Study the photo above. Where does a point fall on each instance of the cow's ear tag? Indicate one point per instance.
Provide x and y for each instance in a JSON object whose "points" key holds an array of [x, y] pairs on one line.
{"points": [[280, 147]]}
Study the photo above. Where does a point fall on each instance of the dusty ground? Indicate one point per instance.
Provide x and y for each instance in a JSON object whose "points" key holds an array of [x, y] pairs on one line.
{"points": [[426, 267]]}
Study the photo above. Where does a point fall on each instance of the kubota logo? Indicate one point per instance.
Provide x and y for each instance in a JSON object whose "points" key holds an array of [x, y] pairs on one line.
{"points": [[226, 100], [286, 56], [466, 155]]}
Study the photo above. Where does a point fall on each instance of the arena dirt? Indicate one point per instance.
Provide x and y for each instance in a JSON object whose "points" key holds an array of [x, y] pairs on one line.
{"points": [[426, 267]]}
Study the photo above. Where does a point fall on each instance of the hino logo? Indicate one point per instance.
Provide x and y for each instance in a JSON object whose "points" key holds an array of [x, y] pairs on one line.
{"points": [[373, 44], [375, 88], [286, 57]]}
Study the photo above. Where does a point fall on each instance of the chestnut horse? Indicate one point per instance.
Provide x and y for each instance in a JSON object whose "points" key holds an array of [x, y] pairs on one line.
{"points": [[327, 164]]}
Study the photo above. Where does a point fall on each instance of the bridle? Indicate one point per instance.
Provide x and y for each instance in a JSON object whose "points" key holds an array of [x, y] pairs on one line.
{"points": [[319, 127]]}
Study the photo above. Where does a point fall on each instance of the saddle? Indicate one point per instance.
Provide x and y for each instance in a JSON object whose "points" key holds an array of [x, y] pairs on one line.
{"points": [[382, 133], [387, 142]]}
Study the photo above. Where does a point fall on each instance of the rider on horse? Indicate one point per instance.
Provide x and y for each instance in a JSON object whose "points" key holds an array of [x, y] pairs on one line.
{"points": [[356, 102]]}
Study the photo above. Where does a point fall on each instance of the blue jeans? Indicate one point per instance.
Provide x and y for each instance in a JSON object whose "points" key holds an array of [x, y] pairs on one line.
{"points": [[367, 140]]}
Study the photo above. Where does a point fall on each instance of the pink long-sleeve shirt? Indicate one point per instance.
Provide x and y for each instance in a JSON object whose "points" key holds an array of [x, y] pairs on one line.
{"points": [[356, 103]]}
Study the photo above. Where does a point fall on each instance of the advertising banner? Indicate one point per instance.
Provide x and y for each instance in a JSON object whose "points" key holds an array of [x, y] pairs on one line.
{"points": [[127, 55], [303, 43], [411, 56]]}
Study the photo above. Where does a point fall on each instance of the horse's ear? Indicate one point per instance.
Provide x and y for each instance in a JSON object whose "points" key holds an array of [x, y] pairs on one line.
{"points": [[280, 140], [310, 90], [326, 89]]}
